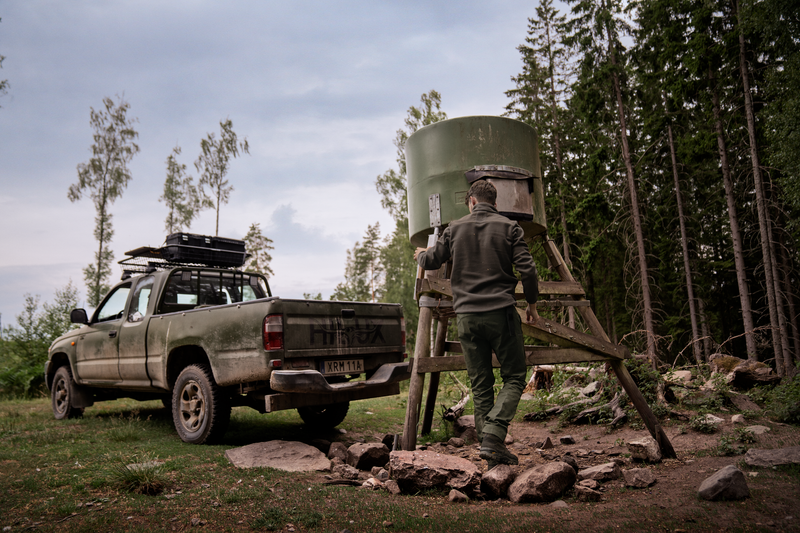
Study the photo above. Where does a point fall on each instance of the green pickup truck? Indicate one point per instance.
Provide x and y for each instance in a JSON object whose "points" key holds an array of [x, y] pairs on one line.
{"points": [[205, 339]]}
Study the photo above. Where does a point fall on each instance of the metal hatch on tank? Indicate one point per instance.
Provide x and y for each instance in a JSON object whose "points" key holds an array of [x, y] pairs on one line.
{"points": [[445, 157]]}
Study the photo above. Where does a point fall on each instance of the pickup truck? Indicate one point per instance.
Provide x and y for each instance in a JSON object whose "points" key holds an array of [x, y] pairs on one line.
{"points": [[205, 339]]}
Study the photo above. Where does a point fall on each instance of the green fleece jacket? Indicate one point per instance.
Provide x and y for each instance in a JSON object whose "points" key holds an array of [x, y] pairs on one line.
{"points": [[484, 245]]}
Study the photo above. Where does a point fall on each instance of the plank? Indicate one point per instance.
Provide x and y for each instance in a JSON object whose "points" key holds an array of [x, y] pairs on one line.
{"points": [[558, 288], [534, 355], [553, 332]]}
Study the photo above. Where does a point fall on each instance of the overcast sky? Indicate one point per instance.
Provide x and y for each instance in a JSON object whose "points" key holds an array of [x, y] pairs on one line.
{"points": [[318, 89]]}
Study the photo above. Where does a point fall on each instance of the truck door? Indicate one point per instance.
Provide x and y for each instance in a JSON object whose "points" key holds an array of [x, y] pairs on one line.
{"points": [[98, 348], [133, 335]]}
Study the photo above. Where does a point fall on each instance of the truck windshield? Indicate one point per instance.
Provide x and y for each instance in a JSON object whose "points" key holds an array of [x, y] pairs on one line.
{"points": [[187, 289]]}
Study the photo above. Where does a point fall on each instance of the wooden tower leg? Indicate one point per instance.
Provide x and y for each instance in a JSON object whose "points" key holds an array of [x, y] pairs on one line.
{"points": [[624, 377], [422, 348], [433, 384]]}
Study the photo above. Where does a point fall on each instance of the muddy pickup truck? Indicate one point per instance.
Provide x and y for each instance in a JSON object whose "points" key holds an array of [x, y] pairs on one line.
{"points": [[204, 338]]}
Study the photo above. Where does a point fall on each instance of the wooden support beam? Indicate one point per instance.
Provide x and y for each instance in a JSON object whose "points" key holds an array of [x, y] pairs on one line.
{"points": [[433, 384], [534, 355], [422, 350], [551, 331], [558, 288]]}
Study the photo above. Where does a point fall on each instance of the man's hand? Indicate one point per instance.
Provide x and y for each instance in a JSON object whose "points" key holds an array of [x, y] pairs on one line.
{"points": [[531, 313], [417, 252]]}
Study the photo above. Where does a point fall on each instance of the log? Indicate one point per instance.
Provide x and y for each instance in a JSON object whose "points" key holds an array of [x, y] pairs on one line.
{"points": [[591, 414], [455, 412]]}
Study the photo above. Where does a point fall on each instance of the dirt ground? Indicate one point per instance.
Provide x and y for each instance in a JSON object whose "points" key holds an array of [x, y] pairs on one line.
{"points": [[672, 503]]}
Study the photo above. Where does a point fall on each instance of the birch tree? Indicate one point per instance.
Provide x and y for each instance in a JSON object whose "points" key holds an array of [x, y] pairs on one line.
{"points": [[180, 195]]}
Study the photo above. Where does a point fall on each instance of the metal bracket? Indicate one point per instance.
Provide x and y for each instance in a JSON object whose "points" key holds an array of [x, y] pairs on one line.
{"points": [[435, 210]]}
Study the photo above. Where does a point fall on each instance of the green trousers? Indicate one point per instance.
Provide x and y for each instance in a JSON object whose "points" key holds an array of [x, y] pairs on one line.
{"points": [[480, 334]]}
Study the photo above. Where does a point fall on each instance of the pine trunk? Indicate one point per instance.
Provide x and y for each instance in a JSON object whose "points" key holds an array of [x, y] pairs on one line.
{"points": [[787, 288], [685, 246], [637, 219], [738, 254], [761, 205]]}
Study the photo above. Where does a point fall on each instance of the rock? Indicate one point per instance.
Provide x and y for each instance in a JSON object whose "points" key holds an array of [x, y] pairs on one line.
{"points": [[711, 419], [496, 481], [559, 504], [543, 483], [571, 462], [737, 419], [742, 402], [758, 430], [337, 450], [548, 444], [723, 363], [727, 484], [567, 439], [638, 478], [679, 376], [645, 449], [508, 440], [388, 440], [750, 373], [336, 461], [586, 494], [464, 428], [588, 483], [603, 472], [420, 470], [392, 486], [282, 455], [345, 472], [770, 458], [381, 473], [591, 389], [456, 496], [365, 456], [456, 442], [372, 483], [698, 397]]}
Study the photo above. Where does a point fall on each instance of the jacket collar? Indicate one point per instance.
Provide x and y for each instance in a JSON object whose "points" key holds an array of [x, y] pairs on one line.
{"points": [[482, 207]]}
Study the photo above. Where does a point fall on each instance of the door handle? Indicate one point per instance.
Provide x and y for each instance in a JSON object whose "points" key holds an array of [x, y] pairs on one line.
{"points": [[112, 333]]}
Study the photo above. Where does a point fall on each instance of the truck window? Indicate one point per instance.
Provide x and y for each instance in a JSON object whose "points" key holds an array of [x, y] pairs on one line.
{"points": [[141, 298], [190, 289], [114, 306]]}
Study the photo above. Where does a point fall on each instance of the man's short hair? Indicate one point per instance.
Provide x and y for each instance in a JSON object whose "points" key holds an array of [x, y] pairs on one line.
{"points": [[483, 191]]}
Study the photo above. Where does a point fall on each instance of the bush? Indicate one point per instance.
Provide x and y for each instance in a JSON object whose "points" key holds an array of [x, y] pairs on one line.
{"points": [[783, 402]]}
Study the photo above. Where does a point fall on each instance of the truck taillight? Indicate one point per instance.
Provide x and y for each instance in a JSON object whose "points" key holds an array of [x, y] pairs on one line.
{"points": [[273, 332]]}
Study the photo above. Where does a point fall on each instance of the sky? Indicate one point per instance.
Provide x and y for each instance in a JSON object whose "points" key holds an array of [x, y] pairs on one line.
{"points": [[317, 88]]}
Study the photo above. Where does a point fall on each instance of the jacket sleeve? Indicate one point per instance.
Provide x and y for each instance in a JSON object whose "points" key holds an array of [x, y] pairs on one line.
{"points": [[524, 265], [436, 255]]}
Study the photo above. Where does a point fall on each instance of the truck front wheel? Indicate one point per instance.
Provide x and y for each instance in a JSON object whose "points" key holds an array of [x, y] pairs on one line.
{"points": [[324, 416], [61, 395], [200, 409]]}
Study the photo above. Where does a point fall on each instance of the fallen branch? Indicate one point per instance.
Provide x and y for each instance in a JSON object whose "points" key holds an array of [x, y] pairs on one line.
{"points": [[558, 409], [455, 412], [593, 413]]}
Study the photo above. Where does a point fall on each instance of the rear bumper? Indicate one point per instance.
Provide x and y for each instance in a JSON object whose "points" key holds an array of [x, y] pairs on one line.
{"points": [[312, 381]]}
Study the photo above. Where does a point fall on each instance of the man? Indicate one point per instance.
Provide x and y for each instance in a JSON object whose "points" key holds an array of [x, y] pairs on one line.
{"points": [[483, 246]]}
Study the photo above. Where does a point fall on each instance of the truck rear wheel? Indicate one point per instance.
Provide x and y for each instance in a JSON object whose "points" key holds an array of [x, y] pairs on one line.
{"points": [[200, 409], [324, 416], [61, 395]]}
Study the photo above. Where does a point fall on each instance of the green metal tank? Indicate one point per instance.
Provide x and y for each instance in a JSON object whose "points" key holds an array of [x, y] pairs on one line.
{"points": [[445, 158]]}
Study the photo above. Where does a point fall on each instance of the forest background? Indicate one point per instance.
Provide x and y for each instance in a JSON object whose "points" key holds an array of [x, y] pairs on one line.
{"points": [[668, 136]]}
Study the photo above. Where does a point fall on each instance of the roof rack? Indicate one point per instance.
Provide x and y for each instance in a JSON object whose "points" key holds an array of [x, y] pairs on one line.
{"points": [[186, 249]]}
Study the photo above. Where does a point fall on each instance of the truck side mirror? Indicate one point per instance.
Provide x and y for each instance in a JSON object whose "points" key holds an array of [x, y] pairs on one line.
{"points": [[78, 316]]}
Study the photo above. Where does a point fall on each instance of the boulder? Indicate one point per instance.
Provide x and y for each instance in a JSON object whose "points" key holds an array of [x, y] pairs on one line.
{"points": [[750, 373], [603, 472], [496, 481], [456, 442], [289, 456], [585, 494], [723, 363], [588, 483], [421, 470], [638, 478], [645, 449], [392, 486], [559, 504], [464, 428], [345, 472], [544, 483], [758, 430], [571, 462], [591, 389], [380, 473], [727, 484], [712, 420], [365, 456], [742, 402], [680, 376], [456, 496], [337, 450], [567, 439], [770, 458]]}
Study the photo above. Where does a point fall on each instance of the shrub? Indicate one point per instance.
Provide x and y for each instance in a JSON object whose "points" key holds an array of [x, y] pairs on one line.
{"points": [[700, 423], [783, 402]]}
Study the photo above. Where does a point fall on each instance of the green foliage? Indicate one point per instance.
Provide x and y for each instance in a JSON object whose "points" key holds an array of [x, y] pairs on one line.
{"points": [[783, 402], [700, 423], [645, 377], [213, 164], [727, 446], [745, 435], [23, 349], [180, 196], [105, 177], [272, 519], [258, 246], [364, 270]]}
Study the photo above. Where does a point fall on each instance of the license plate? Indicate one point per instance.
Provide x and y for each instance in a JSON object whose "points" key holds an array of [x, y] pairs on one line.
{"points": [[343, 366]]}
